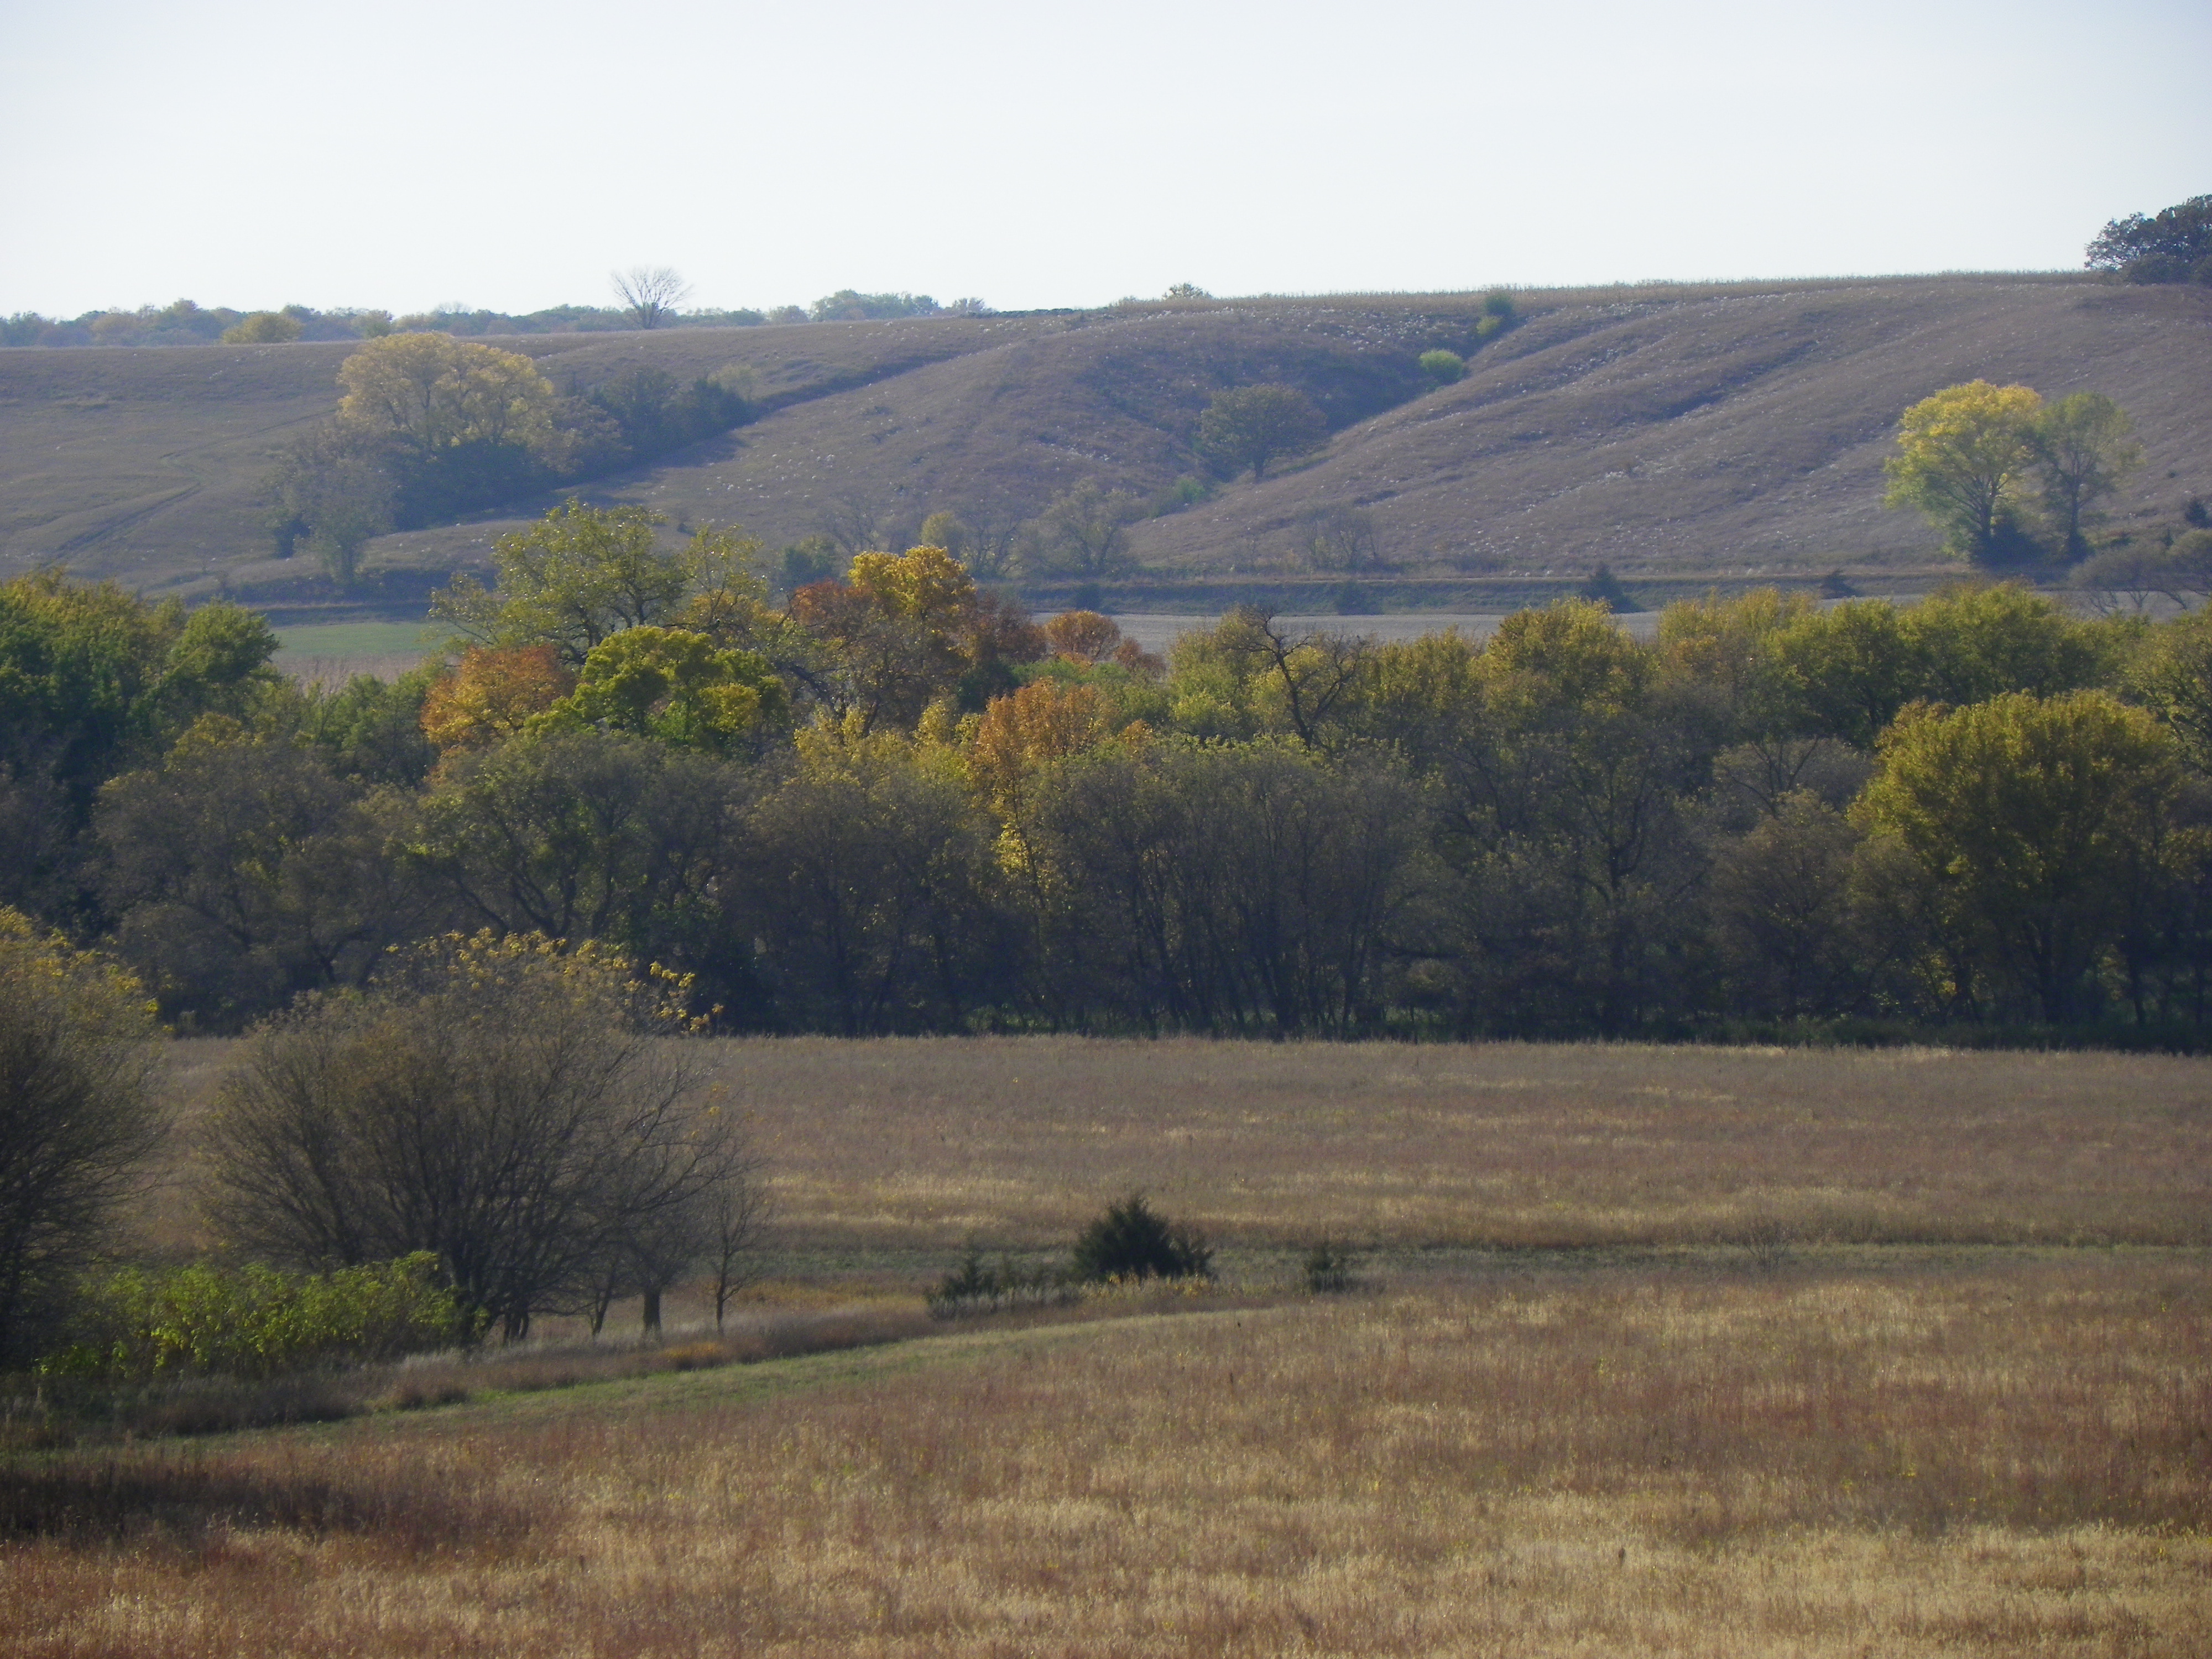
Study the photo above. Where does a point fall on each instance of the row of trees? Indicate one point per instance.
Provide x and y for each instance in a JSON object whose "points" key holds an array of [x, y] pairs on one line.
{"points": [[895, 804], [649, 296]]}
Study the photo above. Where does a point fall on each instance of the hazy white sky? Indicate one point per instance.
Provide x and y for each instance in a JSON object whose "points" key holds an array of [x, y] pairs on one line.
{"points": [[252, 154]]}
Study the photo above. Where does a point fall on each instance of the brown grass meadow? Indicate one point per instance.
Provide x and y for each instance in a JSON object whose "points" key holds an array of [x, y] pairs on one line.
{"points": [[900, 1146], [922, 1144], [1659, 1350], [1985, 1460]]}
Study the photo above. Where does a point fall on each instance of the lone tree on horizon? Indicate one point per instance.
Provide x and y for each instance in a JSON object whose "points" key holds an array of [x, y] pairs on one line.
{"points": [[650, 293]]}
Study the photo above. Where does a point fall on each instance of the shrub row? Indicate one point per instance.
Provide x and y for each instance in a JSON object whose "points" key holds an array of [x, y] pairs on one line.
{"points": [[254, 1322]]}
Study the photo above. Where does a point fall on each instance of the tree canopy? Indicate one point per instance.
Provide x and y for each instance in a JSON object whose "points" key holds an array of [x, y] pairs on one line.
{"points": [[1253, 425], [1961, 456], [2172, 245]]}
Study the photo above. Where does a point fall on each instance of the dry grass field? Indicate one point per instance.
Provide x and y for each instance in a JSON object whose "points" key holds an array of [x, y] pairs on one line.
{"points": [[1788, 1353], [912, 1146], [1991, 1461], [1685, 435], [1016, 1141]]}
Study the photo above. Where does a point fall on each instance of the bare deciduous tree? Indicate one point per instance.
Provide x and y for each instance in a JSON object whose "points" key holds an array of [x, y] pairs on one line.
{"points": [[650, 293], [1340, 538], [501, 1103], [77, 1118]]}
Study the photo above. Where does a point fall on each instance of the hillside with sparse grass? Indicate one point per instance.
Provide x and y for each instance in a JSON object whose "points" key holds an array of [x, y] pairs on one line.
{"points": [[1680, 435]]}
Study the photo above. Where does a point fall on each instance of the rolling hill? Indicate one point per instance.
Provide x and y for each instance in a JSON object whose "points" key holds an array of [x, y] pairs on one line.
{"points": [[1683, 436]]}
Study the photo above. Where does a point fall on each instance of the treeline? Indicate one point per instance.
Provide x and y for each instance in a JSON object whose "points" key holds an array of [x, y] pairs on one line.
{"points": [[184, 323], [898, 805]]}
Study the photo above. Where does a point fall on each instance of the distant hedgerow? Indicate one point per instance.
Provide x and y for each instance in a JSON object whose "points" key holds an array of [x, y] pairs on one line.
{"points": [[255, 1322]]}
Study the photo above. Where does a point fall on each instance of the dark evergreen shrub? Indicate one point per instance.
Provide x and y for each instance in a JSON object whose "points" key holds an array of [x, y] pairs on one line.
{"points": [[1134, 1241]]}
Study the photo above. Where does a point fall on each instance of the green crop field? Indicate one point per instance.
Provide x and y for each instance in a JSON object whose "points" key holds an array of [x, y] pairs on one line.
{"points": [[358, 639]]}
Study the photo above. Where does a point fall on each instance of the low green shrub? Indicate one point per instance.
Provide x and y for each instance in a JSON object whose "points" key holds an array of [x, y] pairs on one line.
{"points": [[254, 1322], [1442, 367]]}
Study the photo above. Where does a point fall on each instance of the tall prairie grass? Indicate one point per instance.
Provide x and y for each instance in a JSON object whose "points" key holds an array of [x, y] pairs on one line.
{"points": [[1990, 1460], [925, 1142], [922, 1144]]}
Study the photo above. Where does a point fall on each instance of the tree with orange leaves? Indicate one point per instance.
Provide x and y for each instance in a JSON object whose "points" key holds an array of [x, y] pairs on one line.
{"points": [[1038, 724], [1082, 636], [492, 694]]}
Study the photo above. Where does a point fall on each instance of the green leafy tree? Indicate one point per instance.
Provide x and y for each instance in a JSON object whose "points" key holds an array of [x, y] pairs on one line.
{"points": [[263, 328], [1251, 426], [240, 872], [453, 425], [93, 681], [1298, 682], [676, 686], [2031, 820], [432, 392], [871, 884], [591, 834], [1133, 1240], [1084, 533], [1962, 456], [332, 495], [578, 576], [2085, 448], [2172, 675], [1973, 643], [2170, 246], [1442, 367]]}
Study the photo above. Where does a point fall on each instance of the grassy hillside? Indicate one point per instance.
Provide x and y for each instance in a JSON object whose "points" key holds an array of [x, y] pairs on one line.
{"points": [[142, 464], [1682, 435]]}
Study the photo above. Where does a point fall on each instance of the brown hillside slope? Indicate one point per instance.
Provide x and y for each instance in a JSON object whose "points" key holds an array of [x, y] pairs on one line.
{"points": [[143, 463], [1718, 431], [1739, 428], [1714, 431]]}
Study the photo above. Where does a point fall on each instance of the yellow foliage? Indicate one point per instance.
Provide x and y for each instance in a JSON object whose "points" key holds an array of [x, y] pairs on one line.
{"points": [[1041, 723], [1961, 454], [437, 391], [493, 695], [926, 584]]}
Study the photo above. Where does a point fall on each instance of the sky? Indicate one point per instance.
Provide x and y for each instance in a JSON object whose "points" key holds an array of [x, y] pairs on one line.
{"points": [[412, 155]]}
